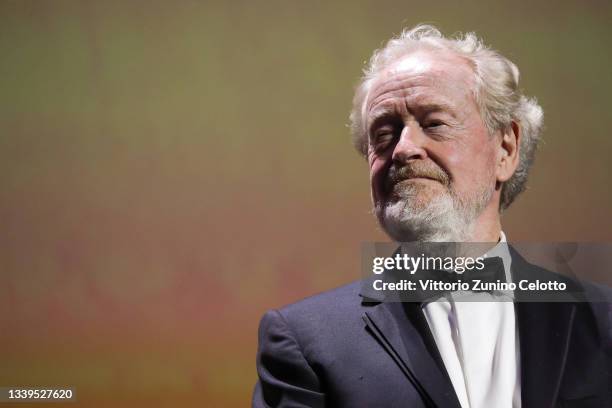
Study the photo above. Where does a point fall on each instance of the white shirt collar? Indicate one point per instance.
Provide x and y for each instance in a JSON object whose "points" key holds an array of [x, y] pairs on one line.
{"points": [[501, 250]]}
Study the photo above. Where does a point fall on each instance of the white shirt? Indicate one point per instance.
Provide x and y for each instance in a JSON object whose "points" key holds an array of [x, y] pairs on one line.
{"points": [[478, 342]]}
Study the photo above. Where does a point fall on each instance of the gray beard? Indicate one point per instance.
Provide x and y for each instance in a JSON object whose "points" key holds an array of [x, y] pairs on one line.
{"points": [[445, 218]]}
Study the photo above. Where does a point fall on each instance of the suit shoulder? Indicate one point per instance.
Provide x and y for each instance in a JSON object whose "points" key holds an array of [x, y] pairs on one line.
{"points": [[324, 311], [338, 297], [316, 323]]}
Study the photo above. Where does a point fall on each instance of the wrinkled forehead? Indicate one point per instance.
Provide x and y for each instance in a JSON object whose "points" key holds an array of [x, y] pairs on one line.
{"points": [[433, 74]]}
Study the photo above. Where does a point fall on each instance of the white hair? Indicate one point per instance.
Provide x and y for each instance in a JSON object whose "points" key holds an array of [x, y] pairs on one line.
{"points": [[496, 92]]}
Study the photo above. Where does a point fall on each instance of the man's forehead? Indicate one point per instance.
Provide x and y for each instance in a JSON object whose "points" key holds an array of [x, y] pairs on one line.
{"points": [[421, 90], [424, 77]]}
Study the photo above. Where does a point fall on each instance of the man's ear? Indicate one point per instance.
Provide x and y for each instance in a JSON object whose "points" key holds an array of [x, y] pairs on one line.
{"points": [[509, 150]]}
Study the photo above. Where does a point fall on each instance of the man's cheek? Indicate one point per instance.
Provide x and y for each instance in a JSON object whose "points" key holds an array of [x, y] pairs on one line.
{"points": [[377, 180]]}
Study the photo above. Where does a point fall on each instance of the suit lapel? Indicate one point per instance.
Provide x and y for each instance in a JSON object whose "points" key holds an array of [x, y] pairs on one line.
{"points": [[398, 330], [544, 333]]}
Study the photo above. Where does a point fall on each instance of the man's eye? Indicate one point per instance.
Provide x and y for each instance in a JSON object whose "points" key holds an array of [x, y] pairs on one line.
{"points": [[431, 124], [383, 136]]}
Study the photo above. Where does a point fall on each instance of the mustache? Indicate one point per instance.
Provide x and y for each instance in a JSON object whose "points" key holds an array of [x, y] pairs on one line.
{"points": [[416, 169]]}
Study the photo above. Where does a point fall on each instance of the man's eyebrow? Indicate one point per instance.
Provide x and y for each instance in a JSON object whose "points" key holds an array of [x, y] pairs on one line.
{"points": [[435, 107], [384, 113], [380, 115]]}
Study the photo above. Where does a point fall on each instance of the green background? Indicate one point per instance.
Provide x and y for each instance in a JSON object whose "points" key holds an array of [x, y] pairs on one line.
{"points": [[171, 170]]}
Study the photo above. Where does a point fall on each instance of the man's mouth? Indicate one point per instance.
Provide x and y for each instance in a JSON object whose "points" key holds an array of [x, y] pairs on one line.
{"points": [[412, 185], [418, 178], [413, 179]]}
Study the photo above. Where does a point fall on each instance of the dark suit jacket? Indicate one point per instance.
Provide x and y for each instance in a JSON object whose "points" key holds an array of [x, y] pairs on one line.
{"points": [[339, 349]]}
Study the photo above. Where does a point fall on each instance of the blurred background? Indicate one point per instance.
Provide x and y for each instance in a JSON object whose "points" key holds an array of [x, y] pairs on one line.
{"points": [[171, 170]]}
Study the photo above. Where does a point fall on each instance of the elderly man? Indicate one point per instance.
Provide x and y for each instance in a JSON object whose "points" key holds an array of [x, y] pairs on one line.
{"points": [[449, 139]]}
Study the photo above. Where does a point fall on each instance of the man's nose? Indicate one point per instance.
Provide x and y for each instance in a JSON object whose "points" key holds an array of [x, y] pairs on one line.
{"points": [[410, 144]]}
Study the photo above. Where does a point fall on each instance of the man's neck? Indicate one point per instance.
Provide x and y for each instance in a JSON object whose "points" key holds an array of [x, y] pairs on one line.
{"points": [[486, 227]]}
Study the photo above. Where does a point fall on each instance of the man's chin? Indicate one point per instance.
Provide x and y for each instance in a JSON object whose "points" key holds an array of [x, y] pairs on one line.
{"points": [[411, 205], [423, 220], [416, 192], [411, 232]]}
